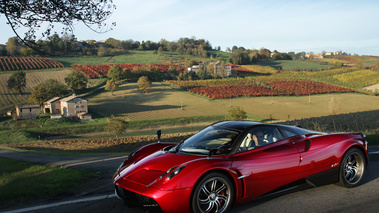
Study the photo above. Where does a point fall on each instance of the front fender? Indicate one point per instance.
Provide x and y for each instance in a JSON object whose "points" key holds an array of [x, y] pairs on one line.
{"points": [[193, 171]]}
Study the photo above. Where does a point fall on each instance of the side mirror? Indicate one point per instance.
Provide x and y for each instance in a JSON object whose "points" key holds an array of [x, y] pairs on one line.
{"points": [[224, 149], [159, 132]]}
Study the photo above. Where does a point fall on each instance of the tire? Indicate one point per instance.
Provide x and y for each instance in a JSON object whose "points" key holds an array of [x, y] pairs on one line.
{"points": [[213, 193], [352, 169]]}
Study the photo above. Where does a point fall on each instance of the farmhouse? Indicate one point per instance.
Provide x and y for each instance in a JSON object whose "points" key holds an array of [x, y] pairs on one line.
{"points": [[72, 106], [27, 111], [53, 106], [227, 71], [217, 69]]}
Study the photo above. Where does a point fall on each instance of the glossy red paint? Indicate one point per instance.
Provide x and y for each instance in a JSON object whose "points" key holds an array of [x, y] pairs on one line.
{"points": [[253, 173]]}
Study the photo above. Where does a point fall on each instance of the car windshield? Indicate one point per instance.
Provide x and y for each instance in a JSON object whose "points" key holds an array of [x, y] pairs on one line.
{"points": [[209, 138]]}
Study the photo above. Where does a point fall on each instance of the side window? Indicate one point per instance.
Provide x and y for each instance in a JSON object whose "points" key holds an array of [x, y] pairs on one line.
{"points": [[289, 134], [260, 136]]}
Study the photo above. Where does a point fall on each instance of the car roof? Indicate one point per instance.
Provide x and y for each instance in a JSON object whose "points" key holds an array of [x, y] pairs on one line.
{"points": [[243, 125], [236, 125]]}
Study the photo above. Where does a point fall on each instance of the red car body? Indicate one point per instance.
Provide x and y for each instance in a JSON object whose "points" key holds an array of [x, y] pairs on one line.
{"points": [[166, 176]]}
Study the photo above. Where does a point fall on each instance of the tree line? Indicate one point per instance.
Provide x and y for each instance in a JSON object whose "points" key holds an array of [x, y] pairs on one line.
{"points": [[56, 45]]}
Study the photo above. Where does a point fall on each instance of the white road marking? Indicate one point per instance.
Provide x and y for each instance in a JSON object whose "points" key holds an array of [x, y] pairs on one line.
{"points": [[94, 161], [372, 153], [101, 197]]}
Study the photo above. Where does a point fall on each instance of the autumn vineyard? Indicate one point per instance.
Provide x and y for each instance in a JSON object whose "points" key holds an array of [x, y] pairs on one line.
{"points": [[101, 70], [216, 89], [26, 63]]}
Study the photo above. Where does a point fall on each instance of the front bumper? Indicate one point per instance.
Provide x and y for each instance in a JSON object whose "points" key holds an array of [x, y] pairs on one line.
{"points": [[147, 197]]}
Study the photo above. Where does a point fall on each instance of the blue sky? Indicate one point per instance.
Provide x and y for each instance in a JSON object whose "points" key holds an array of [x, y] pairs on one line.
{"points": [[283, 25]]}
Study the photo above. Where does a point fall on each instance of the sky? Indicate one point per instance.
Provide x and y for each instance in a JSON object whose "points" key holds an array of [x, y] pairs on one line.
{"points": [[349, 26]]}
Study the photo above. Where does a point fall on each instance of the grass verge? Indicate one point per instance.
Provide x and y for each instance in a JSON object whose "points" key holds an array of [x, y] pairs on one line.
{"points": [[23, 181], [45, 128], [372, 139]]}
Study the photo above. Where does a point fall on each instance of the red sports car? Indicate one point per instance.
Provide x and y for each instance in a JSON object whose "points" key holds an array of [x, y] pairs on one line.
{"points": [[232, 162]]}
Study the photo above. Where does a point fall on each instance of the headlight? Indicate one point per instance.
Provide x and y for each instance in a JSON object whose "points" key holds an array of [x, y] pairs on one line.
{"points": [[174, 173], [166, 172]]}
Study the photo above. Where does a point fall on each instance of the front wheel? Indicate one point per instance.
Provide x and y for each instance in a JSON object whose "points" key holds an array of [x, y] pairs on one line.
{"points": [[353, 166], [213, 193]]}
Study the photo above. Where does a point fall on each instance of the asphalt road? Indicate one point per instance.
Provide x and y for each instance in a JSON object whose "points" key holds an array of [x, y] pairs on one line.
{"points": [[100, 198]]}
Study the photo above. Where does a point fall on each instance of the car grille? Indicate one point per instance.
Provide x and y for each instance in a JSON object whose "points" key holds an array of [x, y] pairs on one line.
{"points": [[132, 199]]}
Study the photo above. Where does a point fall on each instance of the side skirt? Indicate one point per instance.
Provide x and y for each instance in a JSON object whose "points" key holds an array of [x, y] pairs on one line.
{"points": [[324, 178], [320, 179]]}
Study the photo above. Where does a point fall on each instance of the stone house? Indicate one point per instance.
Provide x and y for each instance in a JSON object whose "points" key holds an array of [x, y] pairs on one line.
{"points": [[72, 106], [30, 111], [52, 106]]}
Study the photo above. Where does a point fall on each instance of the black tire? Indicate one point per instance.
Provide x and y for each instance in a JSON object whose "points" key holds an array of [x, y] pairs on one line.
{"points": [[352, 169], [213, 193]]}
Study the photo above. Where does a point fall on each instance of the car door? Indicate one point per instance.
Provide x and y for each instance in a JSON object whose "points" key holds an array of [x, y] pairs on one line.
{"points": [[267, 167]]}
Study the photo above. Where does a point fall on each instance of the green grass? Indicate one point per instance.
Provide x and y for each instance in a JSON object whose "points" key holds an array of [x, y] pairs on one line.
{"points": [[373, 139], [44, 128], [22, 181], [294, 65], [136, 57]]}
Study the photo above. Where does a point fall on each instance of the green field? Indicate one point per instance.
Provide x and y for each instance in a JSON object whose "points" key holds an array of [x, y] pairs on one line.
{"points": [[9, 99], [165, 102], [294, 65], [134, 57]]}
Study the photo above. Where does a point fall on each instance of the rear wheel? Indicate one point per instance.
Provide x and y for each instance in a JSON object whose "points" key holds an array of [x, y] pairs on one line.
{"points": [[353, 167], [213, 193]]}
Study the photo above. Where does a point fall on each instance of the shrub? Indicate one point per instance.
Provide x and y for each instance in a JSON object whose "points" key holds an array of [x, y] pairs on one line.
{"points": [[236, 113]]}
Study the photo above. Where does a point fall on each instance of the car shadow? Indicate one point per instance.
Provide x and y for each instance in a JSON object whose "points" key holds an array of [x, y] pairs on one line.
{"points": [[371, 175]]}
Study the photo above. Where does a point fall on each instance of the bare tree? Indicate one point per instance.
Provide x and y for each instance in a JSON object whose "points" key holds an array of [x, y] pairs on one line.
{"points": [[33, 14]]}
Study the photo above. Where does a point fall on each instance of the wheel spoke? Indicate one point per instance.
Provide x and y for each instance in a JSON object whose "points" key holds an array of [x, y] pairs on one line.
{"points": [[205, 190], [210, 207], [218, 205], [204, 201], [220, 189], [223, 197], [353, 161], [214, 184]]}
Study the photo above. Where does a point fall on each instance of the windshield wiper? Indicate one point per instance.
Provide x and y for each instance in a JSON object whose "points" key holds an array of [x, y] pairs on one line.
{"points": [[176, 148]]}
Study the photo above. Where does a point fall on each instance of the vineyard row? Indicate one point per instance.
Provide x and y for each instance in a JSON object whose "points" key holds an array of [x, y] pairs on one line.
{"points": [[217, 89], [26, 63]]}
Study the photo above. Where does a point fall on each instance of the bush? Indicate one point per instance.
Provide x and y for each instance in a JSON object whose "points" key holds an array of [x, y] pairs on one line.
{"points": [[236, 113], [144, 84]]}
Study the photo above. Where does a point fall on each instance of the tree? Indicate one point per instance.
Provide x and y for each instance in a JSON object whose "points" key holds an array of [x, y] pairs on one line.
{"points": [[338, 64], [17, 81], [375, 66], [111, 86], [47, 89], [239, 58], [11, 46], [102, 51], [33, 14], [116, 125], [160, 50], [236, 113], [201, 73], [76, 80], [116, 73], [144, 84], [26, 51]]}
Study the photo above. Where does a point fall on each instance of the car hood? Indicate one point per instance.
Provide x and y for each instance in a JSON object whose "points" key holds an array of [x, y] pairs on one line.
{"points": [[147, 170]]}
